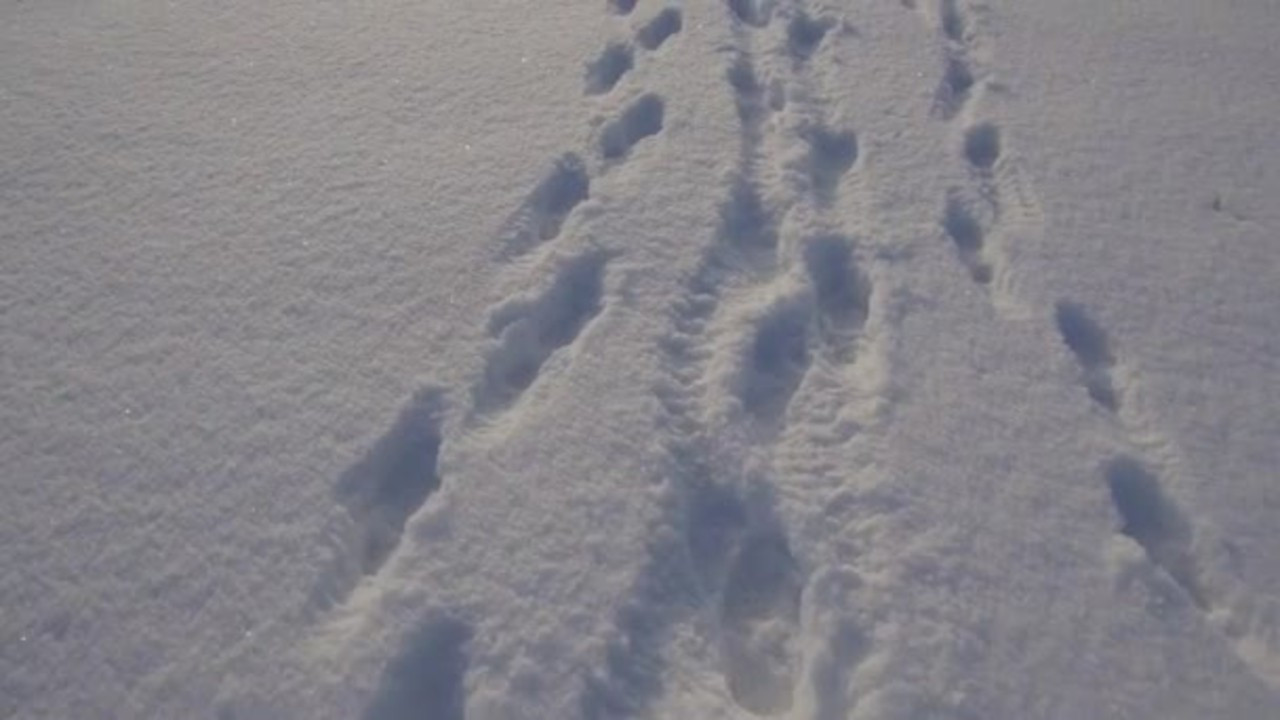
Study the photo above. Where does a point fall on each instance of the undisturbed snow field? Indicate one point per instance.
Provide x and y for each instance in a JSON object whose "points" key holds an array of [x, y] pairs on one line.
{"points": [[504, 360]]}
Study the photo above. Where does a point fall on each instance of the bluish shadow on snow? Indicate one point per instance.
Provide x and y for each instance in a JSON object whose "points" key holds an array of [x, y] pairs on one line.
{"points": [[425, 682]]}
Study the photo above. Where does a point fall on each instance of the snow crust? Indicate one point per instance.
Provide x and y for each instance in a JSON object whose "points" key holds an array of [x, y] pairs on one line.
{"points": [[498, 360]]}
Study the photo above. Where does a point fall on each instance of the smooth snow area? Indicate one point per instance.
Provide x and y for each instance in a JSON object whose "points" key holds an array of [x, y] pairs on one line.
{"points": [[516, 360]]}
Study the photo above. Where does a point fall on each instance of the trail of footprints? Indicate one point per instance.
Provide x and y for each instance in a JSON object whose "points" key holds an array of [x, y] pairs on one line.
{"points": [[391, 483], [1148, 514], [730, 558]]}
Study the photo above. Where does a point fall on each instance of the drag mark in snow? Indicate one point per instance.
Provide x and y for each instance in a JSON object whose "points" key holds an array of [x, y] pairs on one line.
{"points": [[658, 30], [541, 216], [1092, 349], [642, 119], [530, 331], [615, 61], [426, 679], [384, 489]]}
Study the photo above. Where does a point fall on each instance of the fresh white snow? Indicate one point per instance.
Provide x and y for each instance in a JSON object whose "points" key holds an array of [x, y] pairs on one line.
{"points": [[514, 360]]}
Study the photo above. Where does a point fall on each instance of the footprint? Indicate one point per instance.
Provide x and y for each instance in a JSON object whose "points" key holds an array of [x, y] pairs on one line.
{"points": [[966, 233], [1153, 521], [529, 332], [953, 91], [843, 294], [982, 145], [952, 20], [616, 60], [714, 525], [804, 34], [545, 209], [745, 223], [831, 154], [748, 94], [1088, 342], [642, 119], [759, 614], [830, 674], [755, 13], [777, 359], [660, 29], [427, 679], [388, 485], [622, 7]]}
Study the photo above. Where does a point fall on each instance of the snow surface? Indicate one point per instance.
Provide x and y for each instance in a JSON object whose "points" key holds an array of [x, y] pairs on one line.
{"points": [[821, 359]]}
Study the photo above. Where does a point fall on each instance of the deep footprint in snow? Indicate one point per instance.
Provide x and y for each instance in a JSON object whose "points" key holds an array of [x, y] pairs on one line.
{"points": [[660, 29], [622, 7], [426, 679], [1092, 349], [982, 145], [805, 34], [387, 486], [953, 91], [642, 119], [843, 293], [952, 20], [966, 234], [760, 613], [777, 359], [544, 211], [529, 332], [755, 13], [745, 223], [1151, 519], [615, 61], [832, 153]]}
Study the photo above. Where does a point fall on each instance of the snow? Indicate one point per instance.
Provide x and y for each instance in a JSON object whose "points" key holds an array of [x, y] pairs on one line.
{"points": [[857, 359]]}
